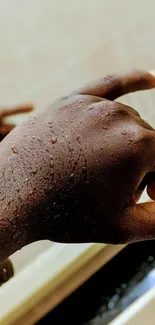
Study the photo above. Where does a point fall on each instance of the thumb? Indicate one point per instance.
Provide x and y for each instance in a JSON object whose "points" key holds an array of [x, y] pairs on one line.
{"points": [[142, 222]]}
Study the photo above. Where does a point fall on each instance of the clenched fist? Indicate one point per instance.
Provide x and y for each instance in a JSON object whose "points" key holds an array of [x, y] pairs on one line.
{"points": [[75, 173]]}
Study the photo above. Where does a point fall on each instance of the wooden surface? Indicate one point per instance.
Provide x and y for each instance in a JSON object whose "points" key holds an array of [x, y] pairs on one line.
{"points": [[49, 48], [49, 279]]}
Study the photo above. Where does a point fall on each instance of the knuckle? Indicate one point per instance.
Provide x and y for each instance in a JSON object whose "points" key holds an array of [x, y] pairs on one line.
{"points": [[146, 125], [142, 136], [119, 110], [143, 143]]}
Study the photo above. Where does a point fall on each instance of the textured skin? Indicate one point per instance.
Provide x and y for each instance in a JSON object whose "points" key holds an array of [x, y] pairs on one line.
{"points": [[75, 173]]}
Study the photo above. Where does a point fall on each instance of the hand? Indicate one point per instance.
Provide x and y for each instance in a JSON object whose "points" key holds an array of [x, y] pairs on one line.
{"points": [[75, 173]]}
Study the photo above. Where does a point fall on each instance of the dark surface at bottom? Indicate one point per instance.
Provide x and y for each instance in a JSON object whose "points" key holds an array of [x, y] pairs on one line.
{"points": [[112, 289]]}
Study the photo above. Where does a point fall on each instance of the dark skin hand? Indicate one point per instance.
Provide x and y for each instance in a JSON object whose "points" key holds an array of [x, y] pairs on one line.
{"points": [[75, 173], [6, 267]]}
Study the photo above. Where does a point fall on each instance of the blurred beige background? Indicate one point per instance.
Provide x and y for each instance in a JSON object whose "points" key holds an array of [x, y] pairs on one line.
{"points": [[48, 48]]}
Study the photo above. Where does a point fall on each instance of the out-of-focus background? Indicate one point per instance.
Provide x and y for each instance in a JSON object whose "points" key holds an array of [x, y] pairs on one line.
{"points": [[47, 49]]}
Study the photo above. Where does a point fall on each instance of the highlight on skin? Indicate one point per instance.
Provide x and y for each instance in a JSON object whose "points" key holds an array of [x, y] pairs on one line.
{"points": [[74, 174]]}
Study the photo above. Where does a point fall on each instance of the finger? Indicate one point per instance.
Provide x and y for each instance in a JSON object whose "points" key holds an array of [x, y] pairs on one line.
{"points": [[19, 109], [151, 186], [142, 226], [112, 87], [6, 128]]}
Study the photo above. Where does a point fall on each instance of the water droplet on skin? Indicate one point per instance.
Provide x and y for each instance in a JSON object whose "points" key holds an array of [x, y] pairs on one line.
{"points": [[34, 171], [51, 163], [54, 140], [84, 170], [31, 192], [14, 149], [78, 138], [71, 176], [49, 122], [26, 179]]}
